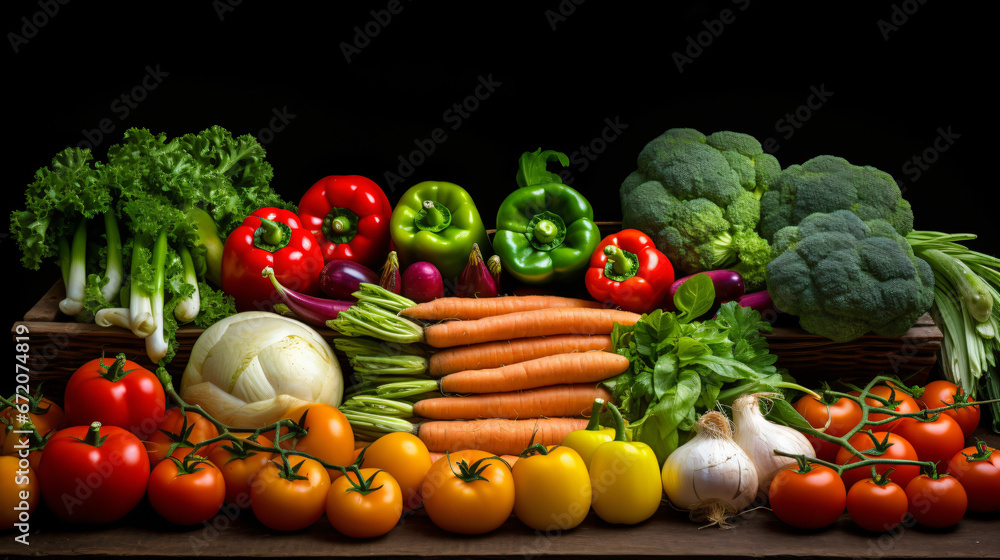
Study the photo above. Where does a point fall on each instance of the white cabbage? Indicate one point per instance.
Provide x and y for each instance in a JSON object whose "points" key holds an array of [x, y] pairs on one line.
{"points": [[248, 369]]}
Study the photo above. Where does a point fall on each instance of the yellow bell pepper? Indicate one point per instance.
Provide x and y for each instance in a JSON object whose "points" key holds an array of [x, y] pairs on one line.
{"points": [[625, 478]]}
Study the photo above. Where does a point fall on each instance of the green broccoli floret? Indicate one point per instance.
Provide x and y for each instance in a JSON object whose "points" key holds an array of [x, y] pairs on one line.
{"points": [[844, 277], [827, 183], [698, 198]]}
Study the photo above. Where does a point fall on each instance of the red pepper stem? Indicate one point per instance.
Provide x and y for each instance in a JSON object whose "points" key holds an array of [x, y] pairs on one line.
{"points": [[340, 224], [620, 263], [271, 235]]}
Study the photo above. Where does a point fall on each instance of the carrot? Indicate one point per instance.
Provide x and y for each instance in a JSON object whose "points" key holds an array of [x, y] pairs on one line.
{"points": [[498, 353], [445, 308], [511, 459], [496, 435], [574, 400], [571, 367], [523, 324]]}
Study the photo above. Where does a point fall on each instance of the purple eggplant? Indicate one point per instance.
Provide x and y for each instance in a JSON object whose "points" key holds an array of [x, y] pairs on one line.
{"points": [[728, 285], [761, 301], [340, 278], [312, 309]]}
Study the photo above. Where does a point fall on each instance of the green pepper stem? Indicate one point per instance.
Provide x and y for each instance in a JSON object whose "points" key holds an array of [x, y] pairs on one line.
{"points": [[433, 216], [619, 263], [545, 231]]}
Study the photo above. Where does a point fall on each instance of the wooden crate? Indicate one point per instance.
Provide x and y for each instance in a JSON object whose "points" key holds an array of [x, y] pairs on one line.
{"points": [[59, 346]]}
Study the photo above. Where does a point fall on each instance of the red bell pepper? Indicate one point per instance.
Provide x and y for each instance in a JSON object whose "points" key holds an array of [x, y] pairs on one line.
{"points": [[627, 269], [349, 216], [260, 242]]}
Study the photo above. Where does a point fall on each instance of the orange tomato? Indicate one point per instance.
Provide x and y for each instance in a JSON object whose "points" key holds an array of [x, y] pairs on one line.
{"points": [[406, 458]]}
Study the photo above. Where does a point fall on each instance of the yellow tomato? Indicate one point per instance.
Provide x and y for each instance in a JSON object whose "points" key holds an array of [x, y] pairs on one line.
{"points": [[552, 490], [19, 491]]}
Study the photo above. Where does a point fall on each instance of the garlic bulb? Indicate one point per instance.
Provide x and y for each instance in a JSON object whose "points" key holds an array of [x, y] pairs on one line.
{"points": [[248, 369], [710, 475], [760, 437]]}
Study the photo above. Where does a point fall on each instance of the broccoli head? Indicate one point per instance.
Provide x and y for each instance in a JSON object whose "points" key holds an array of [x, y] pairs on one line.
{"points": [[827, 183], [844, 277], [698, 198]]}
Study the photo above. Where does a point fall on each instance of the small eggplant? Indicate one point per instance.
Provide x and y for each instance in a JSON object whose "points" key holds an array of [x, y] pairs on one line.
{"points": [[476, 279], [391, 279], [312, 309], [340, 278], [728, 286]]}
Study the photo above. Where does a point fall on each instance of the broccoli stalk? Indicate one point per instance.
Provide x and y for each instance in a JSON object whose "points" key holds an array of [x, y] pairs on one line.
{"points": [[74, 271]]}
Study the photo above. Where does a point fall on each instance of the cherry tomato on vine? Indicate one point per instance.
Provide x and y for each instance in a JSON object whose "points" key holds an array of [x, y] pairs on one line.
{"points": [[808, 499], [941, 393], [935, 440], [115, 392], [844, 415], [552, 489], [406, 458], [895, 447], [469, 492], [186, 492], [329, 436], [93, 474], [904, 403], [19, 492], [978, 469], [877, 504], [238, 466], [293, 500], [364, 508], [196, 430], [936, 501]]}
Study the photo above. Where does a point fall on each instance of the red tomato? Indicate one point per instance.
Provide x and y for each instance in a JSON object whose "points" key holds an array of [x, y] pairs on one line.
{"points": [[82, 481], [239, 469], [406, 458], [329, 436], [898, 448], [364, 514], [978, 469], [904, 403], [844, 415], [197, 429], [808, 500], [290, 503], [936, 502], [936, 440], [876, 507], [115, 392], [186, 497], [944, 393]]}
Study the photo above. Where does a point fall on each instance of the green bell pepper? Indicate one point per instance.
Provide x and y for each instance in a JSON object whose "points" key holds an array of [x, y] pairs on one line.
{"points": [[438, 222], [545, 229]]}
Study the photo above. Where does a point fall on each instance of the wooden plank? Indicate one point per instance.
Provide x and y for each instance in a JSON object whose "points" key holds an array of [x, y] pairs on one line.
{"points": [[668, 534]]}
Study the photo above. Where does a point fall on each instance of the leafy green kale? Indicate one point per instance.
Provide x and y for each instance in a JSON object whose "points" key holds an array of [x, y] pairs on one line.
{"points": [[681, 368]]}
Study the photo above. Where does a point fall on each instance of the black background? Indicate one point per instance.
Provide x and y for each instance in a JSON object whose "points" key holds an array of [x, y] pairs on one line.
{"points": [[894, 77]]}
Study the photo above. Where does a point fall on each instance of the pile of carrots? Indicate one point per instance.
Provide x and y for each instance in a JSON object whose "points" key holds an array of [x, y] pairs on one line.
{"points": [[513, 370]]}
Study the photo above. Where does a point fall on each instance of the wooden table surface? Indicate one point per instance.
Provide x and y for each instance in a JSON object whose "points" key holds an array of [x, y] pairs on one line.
{"points": [[669, 533]]}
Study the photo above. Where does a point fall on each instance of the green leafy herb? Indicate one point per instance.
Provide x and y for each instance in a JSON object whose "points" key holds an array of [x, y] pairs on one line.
{"points": [[680, 368]]}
